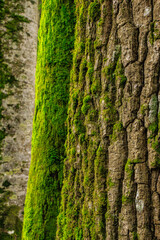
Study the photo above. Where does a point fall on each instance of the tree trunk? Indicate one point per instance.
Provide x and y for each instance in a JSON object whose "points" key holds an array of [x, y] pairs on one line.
{"points": [[56, 39], [18, 43], [111, 184]]}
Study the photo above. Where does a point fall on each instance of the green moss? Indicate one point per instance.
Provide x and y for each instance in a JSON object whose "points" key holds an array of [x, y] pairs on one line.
{"points": [[113, 72], [151, 37], [80, 128], [82, 138], [79, 233], [153, 128], [110, 112], [119, 73], [93, 115], [117, 128], [154, 33], [83, 70], [73, 152], [110, 184], [74, 98], [56, 41], [153, 118], [90, 70], [156, 163], [94, 10], [115, 68], [97, 43], [14, 24], [127, 199], [143, 109], [153, 107], [86, 186], [101, 22], [95, 87], [109, 71], [129, 168], [156, 146], [9, 219], [82, 16], [86, 104], [135, 236]]}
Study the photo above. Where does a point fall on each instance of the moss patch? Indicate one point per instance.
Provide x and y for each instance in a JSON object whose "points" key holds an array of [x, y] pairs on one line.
{"points": [[94, 10], [86, 104]]}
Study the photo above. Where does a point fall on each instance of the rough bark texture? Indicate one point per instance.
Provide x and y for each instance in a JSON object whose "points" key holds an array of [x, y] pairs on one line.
{"points": [[111, 187], [18, 44]]}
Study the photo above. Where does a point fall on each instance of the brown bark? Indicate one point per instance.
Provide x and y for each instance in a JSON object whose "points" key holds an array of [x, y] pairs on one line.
{"points": [[18, 43]]}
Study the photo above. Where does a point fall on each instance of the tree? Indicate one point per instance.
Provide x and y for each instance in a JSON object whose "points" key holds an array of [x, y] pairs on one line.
{"points": [[18, 43], [111, 185], [56, 39]]}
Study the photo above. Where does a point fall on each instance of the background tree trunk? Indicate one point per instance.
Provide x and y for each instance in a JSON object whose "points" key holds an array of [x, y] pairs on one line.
{"points": [[18, 44]]}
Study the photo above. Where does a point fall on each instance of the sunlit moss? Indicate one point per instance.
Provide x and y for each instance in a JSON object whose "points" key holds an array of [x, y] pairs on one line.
{"points": [[56, 40]]}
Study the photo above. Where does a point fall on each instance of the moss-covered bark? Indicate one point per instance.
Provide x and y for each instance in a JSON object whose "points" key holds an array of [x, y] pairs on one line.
{"points": [[56, 39], [111, 174], [111, 180]]}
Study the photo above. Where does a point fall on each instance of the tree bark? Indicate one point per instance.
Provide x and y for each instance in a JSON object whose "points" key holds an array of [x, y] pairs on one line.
{"points": [[18, 44], [111, 187], [111, 177]]}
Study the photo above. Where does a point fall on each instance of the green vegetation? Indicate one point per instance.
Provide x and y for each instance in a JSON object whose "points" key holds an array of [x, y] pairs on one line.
{"points": [[135, 236], [110, 184], [9, 218], [153, 128], [129, 168], [156, 163], [143, 109], [120, 73], [154, 33], [153, 118], [117, 128], [114, 73], [56, 40], [76, 121], [156, 146], [127, 199], [94, 10], [151, 38], [86, 104]]}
